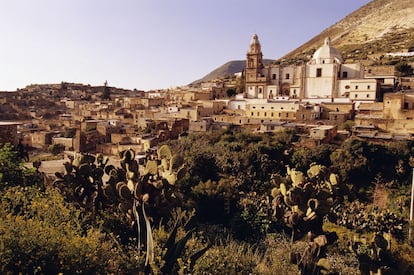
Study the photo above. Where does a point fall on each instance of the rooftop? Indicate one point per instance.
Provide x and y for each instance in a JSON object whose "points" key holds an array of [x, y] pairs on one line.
{"points": [[9, 123]]}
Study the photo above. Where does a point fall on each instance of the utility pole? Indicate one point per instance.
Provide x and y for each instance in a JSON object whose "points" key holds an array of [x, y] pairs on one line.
{"points": [[411, 210]]}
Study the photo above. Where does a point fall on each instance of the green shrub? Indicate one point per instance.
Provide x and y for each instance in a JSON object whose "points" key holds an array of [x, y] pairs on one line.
{"points": [[272, 256], [228, 257], [40, 233], [12, 171], [56, 149]]}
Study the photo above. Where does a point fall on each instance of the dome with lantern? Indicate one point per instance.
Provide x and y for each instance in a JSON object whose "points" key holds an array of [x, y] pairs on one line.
{"points": [[326, 54]]}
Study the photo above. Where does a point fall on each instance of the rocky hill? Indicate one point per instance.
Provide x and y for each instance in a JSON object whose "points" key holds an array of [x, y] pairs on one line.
{"points": [[368, 34]]}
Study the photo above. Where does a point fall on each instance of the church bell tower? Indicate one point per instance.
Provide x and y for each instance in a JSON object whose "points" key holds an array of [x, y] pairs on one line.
{"points": [[255, 81], [254, 58]]}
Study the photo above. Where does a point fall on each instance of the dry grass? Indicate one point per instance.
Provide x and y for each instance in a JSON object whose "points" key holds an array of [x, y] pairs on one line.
{"points": [[380, 199]]}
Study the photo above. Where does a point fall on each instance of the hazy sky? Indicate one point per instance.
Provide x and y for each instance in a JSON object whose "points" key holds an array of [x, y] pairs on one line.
{"points": [[148, 44]]}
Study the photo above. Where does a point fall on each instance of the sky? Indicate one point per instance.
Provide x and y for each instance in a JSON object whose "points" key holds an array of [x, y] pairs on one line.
{"points": [[148, 44]]}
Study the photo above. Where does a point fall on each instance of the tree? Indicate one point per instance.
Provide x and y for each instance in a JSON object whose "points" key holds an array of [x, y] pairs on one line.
{"points": [[13, 173], [204, 167], [10, 171], [351, 161], [403, 69], [231, 92], [106, 93], [303, 157], [347, 125], [56, 149]]}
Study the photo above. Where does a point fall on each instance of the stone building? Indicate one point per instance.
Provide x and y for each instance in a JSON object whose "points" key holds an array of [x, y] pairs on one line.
{"points": [[272, 110], [395, 114], [324, 76], [8, 132], [41, 139]]}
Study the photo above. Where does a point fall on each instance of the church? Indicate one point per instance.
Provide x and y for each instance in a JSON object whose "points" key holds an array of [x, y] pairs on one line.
{"points": [[325, 77]]}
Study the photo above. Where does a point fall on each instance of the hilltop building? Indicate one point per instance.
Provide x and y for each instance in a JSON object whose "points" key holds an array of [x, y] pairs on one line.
{"points": [[325, 76]]}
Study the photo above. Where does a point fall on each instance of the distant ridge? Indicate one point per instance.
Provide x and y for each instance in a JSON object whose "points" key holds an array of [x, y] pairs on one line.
{"points": [[227, 69]]}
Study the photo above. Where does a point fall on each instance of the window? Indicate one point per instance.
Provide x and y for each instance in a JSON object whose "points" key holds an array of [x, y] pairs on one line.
{"points": [[265, 114], [252, 113], [287, 76], [344, 74], [368, 87], [406, 105], [287, 114], [356, 95], [367, 95], [279, 114], [273, 76], [260, 90], [356, 87], [318, 72]]}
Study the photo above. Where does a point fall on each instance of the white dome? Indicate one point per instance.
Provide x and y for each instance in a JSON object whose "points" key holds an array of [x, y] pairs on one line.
{"points": [[326, 54]]}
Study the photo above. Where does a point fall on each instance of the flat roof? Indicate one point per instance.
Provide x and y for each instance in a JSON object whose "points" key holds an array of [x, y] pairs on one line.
{"points": [[8, 123], [324, 127]]}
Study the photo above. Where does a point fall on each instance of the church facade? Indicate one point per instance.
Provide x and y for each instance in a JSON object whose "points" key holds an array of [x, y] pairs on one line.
{"points": [[324, 76]]}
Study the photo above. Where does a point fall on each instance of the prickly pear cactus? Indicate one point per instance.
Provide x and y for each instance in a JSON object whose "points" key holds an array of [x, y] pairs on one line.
{"points": [[303, 201], [140, 195], [81, 180], [374, 256]]}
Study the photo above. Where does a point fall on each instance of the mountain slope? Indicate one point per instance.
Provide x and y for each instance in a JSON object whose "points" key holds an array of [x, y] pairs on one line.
{"points": [[379, 27], [227, 69]]}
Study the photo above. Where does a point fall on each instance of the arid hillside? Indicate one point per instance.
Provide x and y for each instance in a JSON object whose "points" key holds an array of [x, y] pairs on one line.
{"points": [[380, 27]]}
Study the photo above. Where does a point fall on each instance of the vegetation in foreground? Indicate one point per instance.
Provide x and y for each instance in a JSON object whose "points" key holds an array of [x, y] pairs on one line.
{"points": [[224, 208]]}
